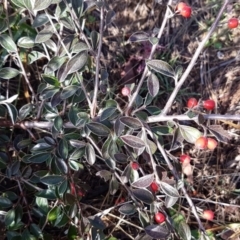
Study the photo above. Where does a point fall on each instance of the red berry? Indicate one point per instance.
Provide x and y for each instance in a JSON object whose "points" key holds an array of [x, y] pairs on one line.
{"points": [[185, 159], [119, 200], [209, 104], [159, 217], [186, 11], [208, 214], [212, 143], [135, 166], [154, 187], [201, 143], [192, 102], [180, 6], [126, 91], [232, 23]]}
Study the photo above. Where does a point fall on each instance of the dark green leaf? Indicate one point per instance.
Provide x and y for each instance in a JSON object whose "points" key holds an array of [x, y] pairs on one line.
{"points": [[144, 181], [107, 113], [36, 231], [5, 202], [58, 123], [40, 157], [143, 195], [52, 179], [40, 20], [133, 141], [131, 122], [90, 154], [34, 56], [153, 84], [12, 111], [113, 185], [7, 43], [44, 34], [8, 73], [77, 143], [127, 209], [62, 165], [51, 80], [10, 218], [169, 190], [26, 42], [77, 62], [94, 39], [157, 231], [161, 67], [98, 129], [68, 91], [63, 148], [139, 37]]}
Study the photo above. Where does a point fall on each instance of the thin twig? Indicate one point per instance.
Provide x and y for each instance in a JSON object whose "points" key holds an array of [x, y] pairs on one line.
{"points": [[172, 169], [193, 61], [145, 72], [96, 85]]}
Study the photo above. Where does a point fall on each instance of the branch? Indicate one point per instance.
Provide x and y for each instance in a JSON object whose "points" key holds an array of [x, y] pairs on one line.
{"points": [[193, 61]]}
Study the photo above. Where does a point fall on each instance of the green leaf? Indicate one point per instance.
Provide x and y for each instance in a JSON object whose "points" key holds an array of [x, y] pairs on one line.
{"points": [[51, 80], [184, 230], [5, 202], [157, 231], [77, 62], [12, 111], [18, 3], [153, 84], [190, 134], [26, 42], [144, 181], [169, 190], [143, 195], [8, 73], [133, 141], [10, 100], [161, 67], [40, 20], [42, 203], [62, 166], [98, 129], [40, 157], [44, 34], [10, 218], [68, 91], [107, 113], [7, 43], [41, 5], [52, 179], [63, 148], [90, 154], [127, 209], [131, 122], [139, 37], [53, 213], [34, 56], [94, 36], [58, 123], [36, 231]]}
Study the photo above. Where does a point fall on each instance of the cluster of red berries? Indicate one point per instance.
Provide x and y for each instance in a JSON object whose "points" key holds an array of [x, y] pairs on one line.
{"points": [[207, 104], [184, 10], [206, 143]]}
